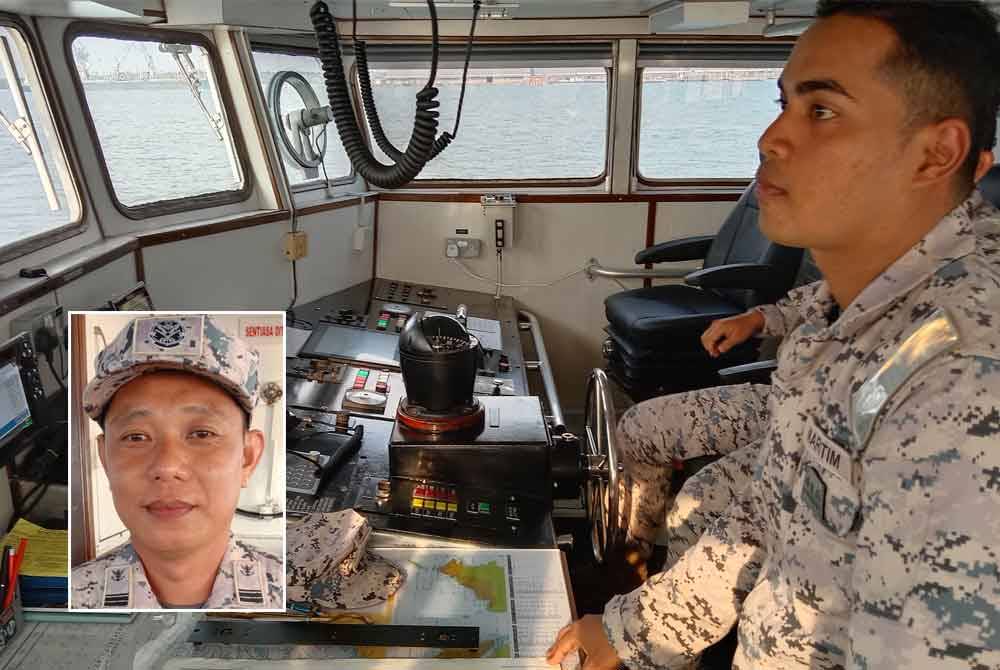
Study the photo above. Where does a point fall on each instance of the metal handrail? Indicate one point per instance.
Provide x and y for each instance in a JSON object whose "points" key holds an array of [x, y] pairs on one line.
{"points": [[594, 269], [548, 380]]}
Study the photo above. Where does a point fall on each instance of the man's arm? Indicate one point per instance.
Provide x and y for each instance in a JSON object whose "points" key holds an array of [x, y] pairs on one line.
{"points": [[775, 320], [926, 580], [784, 316], [680, 612]]}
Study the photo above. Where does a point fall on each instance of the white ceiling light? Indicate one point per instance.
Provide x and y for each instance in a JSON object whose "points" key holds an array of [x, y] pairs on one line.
{"points": [[787, 29], [676, 15]]}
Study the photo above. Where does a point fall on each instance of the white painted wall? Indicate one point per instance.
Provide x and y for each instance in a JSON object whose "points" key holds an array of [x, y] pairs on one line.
{"points": [[247, 268], [552, 240]]}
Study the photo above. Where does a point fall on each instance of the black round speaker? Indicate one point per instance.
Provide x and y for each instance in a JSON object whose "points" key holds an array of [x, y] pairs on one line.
{"points": [[439, 359]]}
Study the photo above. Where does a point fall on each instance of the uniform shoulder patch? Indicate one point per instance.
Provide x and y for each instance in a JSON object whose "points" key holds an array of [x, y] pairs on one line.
{"points": [[933, 337]]}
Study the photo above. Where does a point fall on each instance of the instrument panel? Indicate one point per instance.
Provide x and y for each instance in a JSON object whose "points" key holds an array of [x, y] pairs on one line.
{"points": [[381, 308]]}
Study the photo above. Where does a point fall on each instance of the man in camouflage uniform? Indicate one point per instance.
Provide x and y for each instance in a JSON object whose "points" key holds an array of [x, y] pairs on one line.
{"points": [[174, 397], [725, 421], [866, 538]]}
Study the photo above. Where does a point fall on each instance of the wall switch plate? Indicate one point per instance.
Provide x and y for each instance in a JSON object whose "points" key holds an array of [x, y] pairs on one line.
{"points": [[296, 245], [462, 247]]}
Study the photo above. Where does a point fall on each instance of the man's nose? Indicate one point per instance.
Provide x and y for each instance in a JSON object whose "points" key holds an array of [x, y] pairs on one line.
{"points": [[775, 141], [170, 460]]}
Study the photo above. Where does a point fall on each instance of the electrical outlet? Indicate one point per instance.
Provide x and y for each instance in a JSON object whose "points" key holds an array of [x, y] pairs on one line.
{"points": [[462, 247], [296, 245]]}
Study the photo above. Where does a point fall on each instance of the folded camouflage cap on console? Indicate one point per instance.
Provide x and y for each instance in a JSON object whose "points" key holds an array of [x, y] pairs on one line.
{"points": [[330, 568], [185, 343]]}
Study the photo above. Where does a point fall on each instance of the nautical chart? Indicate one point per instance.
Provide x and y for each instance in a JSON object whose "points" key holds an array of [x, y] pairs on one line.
{"points": [[516, 597]]}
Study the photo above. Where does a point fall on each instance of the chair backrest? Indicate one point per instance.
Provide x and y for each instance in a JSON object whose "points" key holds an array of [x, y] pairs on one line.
{"points": [[990, 185], [740, 241]]}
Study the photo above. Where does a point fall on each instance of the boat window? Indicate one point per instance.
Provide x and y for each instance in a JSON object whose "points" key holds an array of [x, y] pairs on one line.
{"points": [[702, 109], [271, 63], [538, 116], [37, 194], [159, 118]]}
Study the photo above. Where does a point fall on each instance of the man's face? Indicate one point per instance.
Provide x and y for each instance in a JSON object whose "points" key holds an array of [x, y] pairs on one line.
{"points": [[835, 162], [176, 455]]}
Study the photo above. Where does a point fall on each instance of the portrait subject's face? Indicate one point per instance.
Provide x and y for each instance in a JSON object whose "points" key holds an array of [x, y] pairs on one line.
{"points": [[176, 455], [835, 161]]}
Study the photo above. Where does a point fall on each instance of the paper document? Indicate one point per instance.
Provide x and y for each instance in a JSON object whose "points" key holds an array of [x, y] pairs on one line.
{"points": [[487, 331], [48, 550]]}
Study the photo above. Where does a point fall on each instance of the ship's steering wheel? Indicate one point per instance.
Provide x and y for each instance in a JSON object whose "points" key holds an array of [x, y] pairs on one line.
{"points": [[603, 470], [300, 130]]}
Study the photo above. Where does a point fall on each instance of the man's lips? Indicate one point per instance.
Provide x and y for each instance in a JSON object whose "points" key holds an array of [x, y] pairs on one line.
{"points": [[168, 509], [767, 188]]}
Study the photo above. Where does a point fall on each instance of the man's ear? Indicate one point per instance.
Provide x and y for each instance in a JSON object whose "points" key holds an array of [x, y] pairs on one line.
{"points": [[944, 146], [253, 448], [986, 161], [101, 453]]}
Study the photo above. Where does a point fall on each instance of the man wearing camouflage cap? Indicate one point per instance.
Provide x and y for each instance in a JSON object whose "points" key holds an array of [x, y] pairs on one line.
{"points": [[174, 395], [867, 537]]}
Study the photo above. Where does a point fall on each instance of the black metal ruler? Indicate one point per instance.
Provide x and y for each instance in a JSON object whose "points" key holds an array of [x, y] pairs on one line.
{"points": [[313, 632]]}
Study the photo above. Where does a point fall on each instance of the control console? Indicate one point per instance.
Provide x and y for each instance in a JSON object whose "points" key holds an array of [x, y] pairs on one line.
{"points": [[486, 486]]}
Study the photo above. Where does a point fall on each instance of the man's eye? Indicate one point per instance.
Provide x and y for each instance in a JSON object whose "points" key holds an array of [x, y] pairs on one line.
{"points": [[822, 113], [203, 434], [134, 437]]}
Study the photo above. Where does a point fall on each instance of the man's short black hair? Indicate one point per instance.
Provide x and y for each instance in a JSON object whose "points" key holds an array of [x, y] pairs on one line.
{"points": [[947, 60]]}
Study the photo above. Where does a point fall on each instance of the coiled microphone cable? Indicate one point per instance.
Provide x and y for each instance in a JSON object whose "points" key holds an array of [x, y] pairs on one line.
{"points": [[368, 98], [410, 162]]}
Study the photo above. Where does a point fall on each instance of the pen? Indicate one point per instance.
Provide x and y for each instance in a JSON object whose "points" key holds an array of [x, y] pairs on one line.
{"points": [[21, 548]]}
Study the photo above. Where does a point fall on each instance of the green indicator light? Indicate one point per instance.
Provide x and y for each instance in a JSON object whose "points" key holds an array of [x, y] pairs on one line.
{"points": [[484, 508]]}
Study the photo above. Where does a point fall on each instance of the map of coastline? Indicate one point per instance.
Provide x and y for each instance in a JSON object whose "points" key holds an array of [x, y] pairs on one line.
{"points": [[488, 581]]}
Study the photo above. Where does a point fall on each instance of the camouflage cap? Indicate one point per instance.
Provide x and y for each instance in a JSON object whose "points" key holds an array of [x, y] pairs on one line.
{"points": [[330, 568], [186, 343]]}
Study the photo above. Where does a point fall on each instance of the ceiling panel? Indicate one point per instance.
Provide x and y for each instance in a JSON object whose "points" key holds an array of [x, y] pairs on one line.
{"points": [[558, 8]]}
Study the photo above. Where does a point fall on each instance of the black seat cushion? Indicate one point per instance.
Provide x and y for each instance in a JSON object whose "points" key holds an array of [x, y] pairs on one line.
{"points": [[649, 315]]}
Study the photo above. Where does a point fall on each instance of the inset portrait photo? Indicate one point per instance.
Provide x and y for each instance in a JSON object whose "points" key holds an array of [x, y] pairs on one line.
{"points": [[177, 497]]}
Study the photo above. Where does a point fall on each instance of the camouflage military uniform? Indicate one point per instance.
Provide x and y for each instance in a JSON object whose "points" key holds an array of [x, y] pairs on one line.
{"points": [[725, 421], [247, 579], [867, 536]]}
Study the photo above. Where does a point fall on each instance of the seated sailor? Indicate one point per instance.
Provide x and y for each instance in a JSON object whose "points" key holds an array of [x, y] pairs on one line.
{"points": [[865, 537], [177, 448], [724, 421]]}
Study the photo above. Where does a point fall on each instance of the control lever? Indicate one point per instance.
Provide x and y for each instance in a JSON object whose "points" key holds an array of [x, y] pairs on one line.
{"points": [[462, 314]]}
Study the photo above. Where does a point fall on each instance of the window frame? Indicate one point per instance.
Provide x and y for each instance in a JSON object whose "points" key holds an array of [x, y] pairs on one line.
{"points": [[56, 115], [555, 182], [318, 183], [654, 183], [158, 208]]}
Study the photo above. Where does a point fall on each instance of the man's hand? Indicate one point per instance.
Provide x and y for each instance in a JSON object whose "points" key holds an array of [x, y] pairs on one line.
{"points": [[725, 334], [586, 634]]}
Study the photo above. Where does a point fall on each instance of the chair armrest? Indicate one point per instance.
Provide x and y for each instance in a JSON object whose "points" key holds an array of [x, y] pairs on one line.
{"points": [[746, 276], [750, 373], [684, 249]]}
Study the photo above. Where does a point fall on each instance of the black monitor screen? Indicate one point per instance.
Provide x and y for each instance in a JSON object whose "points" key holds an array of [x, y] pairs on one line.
{"points": [[15, 415]]}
